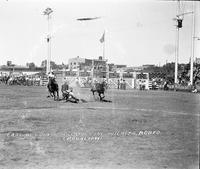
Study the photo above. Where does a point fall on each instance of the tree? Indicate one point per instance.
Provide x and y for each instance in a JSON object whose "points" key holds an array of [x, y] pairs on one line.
{"points": [[52, 63], [44, 64], [31, 65]]}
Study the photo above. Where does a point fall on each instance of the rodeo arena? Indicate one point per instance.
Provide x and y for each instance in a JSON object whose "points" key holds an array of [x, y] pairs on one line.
{"points": [[92, 113]]}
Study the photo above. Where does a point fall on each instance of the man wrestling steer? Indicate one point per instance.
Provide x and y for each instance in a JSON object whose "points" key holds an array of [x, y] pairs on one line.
{"points": [[68, 94]]}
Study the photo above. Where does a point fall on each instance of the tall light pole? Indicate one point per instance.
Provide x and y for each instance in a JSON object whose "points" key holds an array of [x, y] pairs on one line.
{"points": [[48, 12], [179, 19], [179, 25]]}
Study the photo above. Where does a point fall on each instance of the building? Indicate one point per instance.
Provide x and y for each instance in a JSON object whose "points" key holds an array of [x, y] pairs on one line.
{"points": [[85, 66], [74, 63], [83, 63], [147, 66], [133, 69], [120, 66]]}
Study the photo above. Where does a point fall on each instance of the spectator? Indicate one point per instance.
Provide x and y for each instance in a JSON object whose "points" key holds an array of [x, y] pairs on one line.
{"points": [[118, 84], [121, 83], [124, 84]]}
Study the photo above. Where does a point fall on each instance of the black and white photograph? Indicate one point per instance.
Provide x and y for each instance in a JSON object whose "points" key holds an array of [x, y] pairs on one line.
{"points": [[99, 84]]}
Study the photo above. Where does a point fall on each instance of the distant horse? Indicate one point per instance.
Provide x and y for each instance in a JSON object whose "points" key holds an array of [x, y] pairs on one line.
{"points": [[100, 89], [196, 75], [196, 79], [53, 88]]}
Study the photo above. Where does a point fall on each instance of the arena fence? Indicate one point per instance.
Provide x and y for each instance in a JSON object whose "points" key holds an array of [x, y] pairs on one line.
{"points": [[130, 83], [44, 81], [153, 86]]}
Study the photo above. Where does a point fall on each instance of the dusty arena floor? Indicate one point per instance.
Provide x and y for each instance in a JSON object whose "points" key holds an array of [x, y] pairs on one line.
{"points": [[138, 130]]}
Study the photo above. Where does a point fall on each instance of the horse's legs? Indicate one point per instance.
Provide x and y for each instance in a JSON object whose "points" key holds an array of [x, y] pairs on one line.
{"points": [[54, 96], [50, 94], [93, 92], [103, 94], [100, 96], [57, 94]]}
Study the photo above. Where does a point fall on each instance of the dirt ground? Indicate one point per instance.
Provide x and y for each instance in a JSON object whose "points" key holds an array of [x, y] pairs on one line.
{"points": [[138, 130]]}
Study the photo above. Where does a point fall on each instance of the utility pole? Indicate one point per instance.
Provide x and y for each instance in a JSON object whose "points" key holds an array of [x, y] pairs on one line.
{"points": [[179, 25], [48, 12], [179, 19]]}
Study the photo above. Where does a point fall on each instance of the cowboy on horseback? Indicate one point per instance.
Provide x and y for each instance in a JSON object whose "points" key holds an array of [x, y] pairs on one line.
{"points": [[53, 86], [100, 88], [51, 76]]}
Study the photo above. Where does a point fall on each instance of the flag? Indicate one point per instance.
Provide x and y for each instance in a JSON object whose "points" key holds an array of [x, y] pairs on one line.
{"points": [[102, 38]]}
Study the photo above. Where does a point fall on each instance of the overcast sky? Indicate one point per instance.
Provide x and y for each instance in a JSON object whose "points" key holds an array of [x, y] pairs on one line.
{"points": [[137, 32]]}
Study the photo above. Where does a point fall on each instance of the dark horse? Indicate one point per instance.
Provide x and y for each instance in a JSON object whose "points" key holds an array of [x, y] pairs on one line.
{"points": [[53, 88], [100, 89]]}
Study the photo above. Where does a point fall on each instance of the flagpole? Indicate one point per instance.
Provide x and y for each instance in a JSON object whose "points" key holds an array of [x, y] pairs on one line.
{"points": [[48, 12], [104, 46]]}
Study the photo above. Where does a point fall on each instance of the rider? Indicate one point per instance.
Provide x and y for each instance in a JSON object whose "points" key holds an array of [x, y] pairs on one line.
{"points": [[51, 79], [68, 92], [51, 75]]}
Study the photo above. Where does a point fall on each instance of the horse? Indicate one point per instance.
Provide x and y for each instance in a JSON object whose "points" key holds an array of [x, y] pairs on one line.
{"points": [[196, 80], [53, 88], [100, 89]]}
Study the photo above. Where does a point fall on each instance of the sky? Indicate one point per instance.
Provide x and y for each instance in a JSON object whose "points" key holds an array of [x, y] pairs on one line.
{"points": [[136, 32]]}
